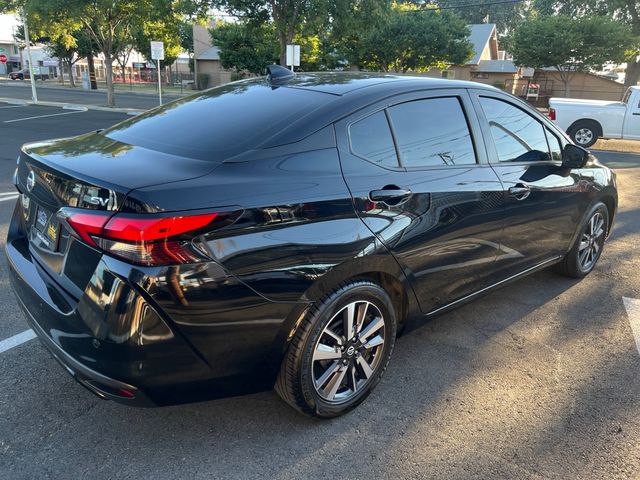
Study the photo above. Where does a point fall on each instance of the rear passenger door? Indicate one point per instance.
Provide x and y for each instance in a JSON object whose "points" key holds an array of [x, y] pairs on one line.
{"points": [[542, 199], [419, 179]]}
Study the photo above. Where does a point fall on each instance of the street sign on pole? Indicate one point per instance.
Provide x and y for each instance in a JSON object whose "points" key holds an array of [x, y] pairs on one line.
{"points": [[34, 95], [293, 56], [157, 53]]}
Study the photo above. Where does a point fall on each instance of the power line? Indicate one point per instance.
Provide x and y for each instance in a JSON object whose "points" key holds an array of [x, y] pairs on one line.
{"points": [[467, 5]]}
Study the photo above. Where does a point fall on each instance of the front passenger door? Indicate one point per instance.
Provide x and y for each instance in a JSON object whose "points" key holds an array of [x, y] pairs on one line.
{"points": [[542, 199]]}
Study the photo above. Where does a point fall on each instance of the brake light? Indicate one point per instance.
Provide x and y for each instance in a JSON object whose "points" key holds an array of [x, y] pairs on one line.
{"points": [[552, 113], [142, 239]]}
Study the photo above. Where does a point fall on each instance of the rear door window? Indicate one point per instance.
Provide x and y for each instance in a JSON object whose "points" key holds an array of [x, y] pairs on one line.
{"points": [[432, 132]]}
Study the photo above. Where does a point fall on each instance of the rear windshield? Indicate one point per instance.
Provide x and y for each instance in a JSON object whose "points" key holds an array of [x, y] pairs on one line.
{"points": [[220, 122]]}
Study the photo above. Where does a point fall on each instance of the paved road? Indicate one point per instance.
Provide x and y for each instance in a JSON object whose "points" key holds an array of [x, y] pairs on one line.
{"points": [[538, 380], [22, 90]]}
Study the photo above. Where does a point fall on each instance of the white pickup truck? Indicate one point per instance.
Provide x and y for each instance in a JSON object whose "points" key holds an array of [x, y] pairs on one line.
{"points": [[587, 120]]}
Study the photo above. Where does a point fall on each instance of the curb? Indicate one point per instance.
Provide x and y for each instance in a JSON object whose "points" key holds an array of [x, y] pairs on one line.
{"points": [[72, 106]]}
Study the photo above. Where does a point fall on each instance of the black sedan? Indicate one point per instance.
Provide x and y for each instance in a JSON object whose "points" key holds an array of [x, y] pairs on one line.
{"points": [[283, 231], [24, 74]]}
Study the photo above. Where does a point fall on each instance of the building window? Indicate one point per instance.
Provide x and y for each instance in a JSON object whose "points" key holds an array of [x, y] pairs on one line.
{"points": [[480, 75], [448, 74]]}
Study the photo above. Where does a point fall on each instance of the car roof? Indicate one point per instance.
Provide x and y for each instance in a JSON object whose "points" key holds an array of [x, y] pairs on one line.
{"points": [[342, 83]]}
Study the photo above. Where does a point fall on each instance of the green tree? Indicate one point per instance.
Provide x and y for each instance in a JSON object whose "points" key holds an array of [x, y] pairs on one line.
{"points": [[417, 40], [288, 16], [110, 24], [506, 16], [245, 47], [623, 11], [569, 44]]}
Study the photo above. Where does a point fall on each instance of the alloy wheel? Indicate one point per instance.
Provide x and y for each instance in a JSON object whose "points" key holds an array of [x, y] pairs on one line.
{"points": [[348, 351], [583, 136], [591, 242]]}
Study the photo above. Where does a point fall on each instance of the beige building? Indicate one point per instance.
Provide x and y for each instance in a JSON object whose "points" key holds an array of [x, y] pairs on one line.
{"points": [[207, 68], [488, 64]]}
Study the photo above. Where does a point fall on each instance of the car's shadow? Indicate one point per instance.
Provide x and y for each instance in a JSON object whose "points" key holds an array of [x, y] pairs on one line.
{"points": [[497, 384]]}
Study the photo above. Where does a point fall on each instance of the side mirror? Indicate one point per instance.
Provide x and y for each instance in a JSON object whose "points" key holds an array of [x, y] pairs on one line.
{"points": [[574, 156]]}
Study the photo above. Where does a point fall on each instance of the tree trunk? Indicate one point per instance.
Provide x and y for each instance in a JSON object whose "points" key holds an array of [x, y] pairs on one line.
{"points": [[632, 75], [61, 65], [72, 81], [282, 37], [108, 67], [567, 88], [92, 72]]}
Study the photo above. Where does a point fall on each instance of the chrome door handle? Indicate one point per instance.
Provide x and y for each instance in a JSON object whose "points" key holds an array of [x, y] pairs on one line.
{"points": [[391, 195], [519, 191]]}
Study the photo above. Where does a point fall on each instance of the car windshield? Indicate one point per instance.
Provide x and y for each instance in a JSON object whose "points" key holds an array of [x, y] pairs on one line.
{"points": [[219, 123]]}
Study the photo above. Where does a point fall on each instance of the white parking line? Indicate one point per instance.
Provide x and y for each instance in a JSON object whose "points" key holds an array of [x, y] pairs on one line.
{"points": [[16, 340], [13, 106], [43, 116], [4, 194], [632, 306], [6, 199]]}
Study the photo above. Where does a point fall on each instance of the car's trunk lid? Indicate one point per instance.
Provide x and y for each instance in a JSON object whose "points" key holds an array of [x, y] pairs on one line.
{"points": [[87, 172]]}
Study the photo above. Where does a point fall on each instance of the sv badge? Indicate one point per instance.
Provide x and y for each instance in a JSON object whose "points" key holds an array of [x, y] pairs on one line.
{"points": [[99, 201]]}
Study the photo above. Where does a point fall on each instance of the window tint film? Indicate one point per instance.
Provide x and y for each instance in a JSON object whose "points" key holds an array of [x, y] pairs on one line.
{"points": [[218, 123], [554, 145], [371, 138], [518, 136], [432, 133]]}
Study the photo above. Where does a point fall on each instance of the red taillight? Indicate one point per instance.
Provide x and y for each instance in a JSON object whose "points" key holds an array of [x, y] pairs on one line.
{"points": [[143, 239], [139, 228], [552, 113], [88, 226]]}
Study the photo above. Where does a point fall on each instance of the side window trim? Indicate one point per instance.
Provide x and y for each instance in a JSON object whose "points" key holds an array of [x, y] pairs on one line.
{"points": [[394, 137], [485, 126]]}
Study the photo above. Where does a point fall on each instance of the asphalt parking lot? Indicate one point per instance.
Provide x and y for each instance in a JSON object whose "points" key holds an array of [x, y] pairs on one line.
{"points": [[537, 380]]}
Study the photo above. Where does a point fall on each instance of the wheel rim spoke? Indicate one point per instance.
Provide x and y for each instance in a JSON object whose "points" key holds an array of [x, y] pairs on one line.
{"points": [[583, 244], [374, 342], [349, 318], [334, 383], [365, 367], [376, 324], [333, 368], [362, 312], [325, 352], [337, 338], [583, 256], [352, 378]]}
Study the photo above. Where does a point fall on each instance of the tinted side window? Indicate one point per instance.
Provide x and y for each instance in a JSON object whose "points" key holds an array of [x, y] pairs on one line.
{"points": [[432, 132], [518, 136], [371, 138], [554, 145]]}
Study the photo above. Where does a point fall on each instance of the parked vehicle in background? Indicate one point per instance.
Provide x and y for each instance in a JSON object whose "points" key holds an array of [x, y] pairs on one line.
{"points": [[282, 231], [23, 74], [587, 120]]}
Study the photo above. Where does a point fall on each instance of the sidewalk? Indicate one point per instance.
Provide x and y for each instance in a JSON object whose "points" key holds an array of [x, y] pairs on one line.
{"points": [[58, 94], [142, 88]]}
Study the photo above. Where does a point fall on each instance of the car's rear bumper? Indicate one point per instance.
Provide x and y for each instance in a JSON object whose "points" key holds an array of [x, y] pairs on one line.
{"points": [[160, 336]]}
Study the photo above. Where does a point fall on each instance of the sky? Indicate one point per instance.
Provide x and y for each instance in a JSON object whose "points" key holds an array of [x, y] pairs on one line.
{"points": [[6, 22]]}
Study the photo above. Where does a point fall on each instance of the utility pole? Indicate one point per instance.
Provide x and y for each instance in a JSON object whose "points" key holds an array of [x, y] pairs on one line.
{"points": [[34, 95]]}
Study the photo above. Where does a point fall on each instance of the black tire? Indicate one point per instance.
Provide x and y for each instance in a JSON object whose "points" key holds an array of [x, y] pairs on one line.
{"points": [[296, 382], [572, 265], [585, 133]]}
